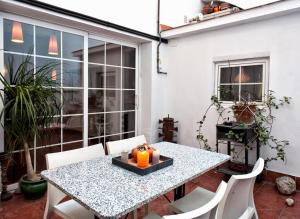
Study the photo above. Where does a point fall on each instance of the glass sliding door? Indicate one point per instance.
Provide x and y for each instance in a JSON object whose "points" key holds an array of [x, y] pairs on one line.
{"points": [[109, 82]]}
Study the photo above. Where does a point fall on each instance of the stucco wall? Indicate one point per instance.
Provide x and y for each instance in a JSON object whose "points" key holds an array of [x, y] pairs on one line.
{"points": [[191, 78]]}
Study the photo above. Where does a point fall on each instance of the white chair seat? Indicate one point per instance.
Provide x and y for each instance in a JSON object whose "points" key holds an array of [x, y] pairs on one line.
{"points": [[198, 197], [73, 210], [152, 215]]}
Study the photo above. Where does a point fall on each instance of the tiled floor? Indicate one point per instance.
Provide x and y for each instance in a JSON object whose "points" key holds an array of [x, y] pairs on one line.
{"points": [[269, 203]]}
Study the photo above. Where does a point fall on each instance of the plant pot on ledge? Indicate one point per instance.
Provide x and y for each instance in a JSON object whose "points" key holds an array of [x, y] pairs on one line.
{"points": [[244, 113], [33, 189]]}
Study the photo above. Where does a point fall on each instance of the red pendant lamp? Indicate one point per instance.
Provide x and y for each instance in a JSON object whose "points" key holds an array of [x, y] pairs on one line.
{"points": [[53, 74], [53, 45], [17, 32]]}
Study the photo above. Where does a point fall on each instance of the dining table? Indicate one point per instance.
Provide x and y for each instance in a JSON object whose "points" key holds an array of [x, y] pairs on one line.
{"points": [[110, 191]]}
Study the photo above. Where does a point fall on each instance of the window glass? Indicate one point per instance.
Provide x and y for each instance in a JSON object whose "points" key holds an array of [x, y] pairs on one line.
{"points": [[128, 100], [113, 100], [18, 37], [96, 125], [72, 46], [128, 55], [72, 101], [96, 76], [112, 123], [113, 77], [96, 101], [128, 78], [47, 42], [113, 54], [229, 75], [72, 74], [252, 74], [72, 128], [96, 51], [128, 122], [229, 92], [251, 92], [53, 68]]}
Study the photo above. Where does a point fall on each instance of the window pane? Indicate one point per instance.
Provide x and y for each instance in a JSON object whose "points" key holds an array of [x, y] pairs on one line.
{"points": [[128, 100], [40, 156], [96, 76], [128, 135], [229, 93], [112, 123], [54, 68], [113, 54], [251, 92], [72, 46], [51, 135], [12, 63], [128, 123], [113, 138], [47, 42], [128, 54], [252, 74], [72, 103], [113, 100], [72, 74], [113, 77], [96, 51], [128, 78], [72, 146], [96, 141], [16, 32], [96, 125], [72, 128], [229, 75], [96, 101]]}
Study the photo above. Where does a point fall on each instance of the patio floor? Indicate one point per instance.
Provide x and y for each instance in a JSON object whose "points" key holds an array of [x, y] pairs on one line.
{"points": [[269, 203]]}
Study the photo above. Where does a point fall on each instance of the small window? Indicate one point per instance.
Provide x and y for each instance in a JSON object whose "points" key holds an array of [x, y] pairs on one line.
{"points": [[243, 80]]}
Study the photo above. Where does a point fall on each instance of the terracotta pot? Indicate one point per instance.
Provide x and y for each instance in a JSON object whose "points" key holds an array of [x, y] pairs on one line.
{"points": [[244, 113]]}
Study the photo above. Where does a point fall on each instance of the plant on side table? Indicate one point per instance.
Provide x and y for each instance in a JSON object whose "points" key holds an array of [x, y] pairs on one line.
{"points": [[29, 105], [247, 112]]}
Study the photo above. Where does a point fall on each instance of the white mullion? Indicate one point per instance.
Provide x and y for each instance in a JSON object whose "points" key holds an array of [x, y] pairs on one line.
{"points": [[104, 97], [61, 92], [85, 92], [1, 85], [240, 79], [121, 94], [137, 97], [34, 70]]}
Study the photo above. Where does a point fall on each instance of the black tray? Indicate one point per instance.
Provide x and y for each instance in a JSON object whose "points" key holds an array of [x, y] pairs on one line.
{"points": [[166, 161]]}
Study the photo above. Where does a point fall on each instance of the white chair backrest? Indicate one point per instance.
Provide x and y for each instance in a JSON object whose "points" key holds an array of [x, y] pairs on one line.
{"points": [[54, 160], [116, 147], [238, 199], [207, 211]]}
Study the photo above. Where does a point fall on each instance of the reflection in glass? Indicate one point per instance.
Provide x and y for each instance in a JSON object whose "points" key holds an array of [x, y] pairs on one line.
{"points": [[54, 72], [72, 146], [47, 42], [11, 64], [252, 74], [72, 101], [96, 141], [229, 75], [40, 156], [113, 54], [72, 74], [113, 100], [72, 128], [128, 122], [50, 135], [96, 101], [128, 100], [96, 125], [128, 135], [96, 51], [113, 138], [251, 92], [112, 125], [128, 54], [15, 43], [229, 93], [72, 46], [96, 76], [128, 78], [113, 77]]}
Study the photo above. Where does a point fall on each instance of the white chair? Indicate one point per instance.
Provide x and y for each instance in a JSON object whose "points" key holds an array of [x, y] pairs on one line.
{"points": [[207, 211], [116, 147], [238, 201], [69, 209]]}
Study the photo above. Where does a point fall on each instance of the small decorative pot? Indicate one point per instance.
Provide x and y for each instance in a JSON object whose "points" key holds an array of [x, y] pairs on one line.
{"points": [[244, 113], [33, 189]]}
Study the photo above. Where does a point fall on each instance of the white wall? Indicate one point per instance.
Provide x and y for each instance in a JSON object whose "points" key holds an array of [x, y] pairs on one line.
{"points": [[190, 82]]}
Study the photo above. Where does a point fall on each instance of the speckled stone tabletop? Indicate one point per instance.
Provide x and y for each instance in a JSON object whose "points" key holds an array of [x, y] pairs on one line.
{"points": [[110, 191]]}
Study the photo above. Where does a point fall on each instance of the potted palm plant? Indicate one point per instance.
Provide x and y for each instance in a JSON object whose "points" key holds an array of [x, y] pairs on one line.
{"points": [[29, 105]]}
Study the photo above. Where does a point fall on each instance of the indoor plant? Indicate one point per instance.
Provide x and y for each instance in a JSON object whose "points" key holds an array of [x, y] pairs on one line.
{"points": [[261, 115], [29, 105]]}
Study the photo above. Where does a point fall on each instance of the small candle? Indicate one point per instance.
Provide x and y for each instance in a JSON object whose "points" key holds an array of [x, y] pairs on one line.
{"points": [[142, 159], [124, 156], [155, 157]]}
